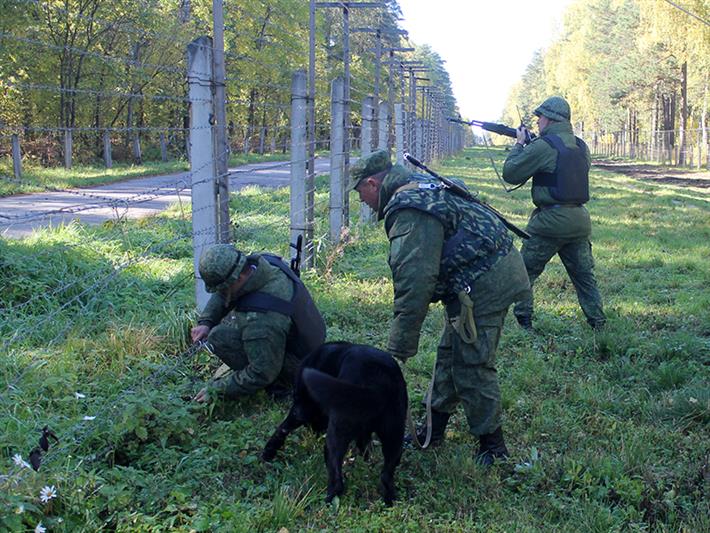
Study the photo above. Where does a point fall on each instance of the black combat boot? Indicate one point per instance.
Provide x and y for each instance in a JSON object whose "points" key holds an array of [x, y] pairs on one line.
{"points": [[492, 448], [438, 428], [525, 322]]}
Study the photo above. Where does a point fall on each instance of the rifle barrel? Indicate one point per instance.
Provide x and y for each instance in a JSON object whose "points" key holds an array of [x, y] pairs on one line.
{"points": [[500, 129]]}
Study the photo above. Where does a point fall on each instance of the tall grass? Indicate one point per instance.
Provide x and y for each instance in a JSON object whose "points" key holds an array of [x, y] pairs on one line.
{"points": [[608, 432]]}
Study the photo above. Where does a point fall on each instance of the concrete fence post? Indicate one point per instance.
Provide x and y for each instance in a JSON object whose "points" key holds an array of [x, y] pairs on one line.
{"points": [[399, 133], [16, 156], [108, 157], [368, 116], [67, 148], [137, 155], [163, 147], [298, 164], [204, 198], [337, 186], [383, 121]]}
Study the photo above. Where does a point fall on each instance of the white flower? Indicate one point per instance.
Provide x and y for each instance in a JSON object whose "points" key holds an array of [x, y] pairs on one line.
{"points": [[87, 417], [693, 400], [20, 509], [19, 461], [47, 493], [79, 396], [40, 528]]}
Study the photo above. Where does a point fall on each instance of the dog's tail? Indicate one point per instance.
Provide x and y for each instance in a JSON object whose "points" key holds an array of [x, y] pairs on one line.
{"points": [[333, 394]]}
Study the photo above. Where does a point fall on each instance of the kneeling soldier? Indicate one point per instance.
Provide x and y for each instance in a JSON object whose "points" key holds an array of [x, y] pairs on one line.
{"points": [[260, 321]]}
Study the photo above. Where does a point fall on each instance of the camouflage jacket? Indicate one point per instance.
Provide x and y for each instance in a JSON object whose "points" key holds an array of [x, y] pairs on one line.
{"points": [[440, 244], [538, 156], [263, 335]]}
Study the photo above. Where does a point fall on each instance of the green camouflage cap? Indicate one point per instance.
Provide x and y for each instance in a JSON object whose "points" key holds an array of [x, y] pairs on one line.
{"points": [[554, 108], [370, 165], [220, 266]]}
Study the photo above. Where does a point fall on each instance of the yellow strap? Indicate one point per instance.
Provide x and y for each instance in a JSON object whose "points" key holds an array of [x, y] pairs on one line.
{"points": [[222, 371], [466, 326]]}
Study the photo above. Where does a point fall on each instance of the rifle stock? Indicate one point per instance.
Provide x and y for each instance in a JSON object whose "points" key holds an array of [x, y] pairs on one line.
{"points": [[460, 191]]}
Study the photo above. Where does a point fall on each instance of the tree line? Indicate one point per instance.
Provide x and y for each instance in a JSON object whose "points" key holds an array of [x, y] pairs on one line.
{"points": [[636, 70], [95, 65]]}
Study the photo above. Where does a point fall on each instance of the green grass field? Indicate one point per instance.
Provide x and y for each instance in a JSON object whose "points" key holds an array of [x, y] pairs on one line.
{"points": [[608, 432]]}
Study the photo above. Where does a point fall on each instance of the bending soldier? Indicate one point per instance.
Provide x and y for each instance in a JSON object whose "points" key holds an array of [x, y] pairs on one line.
{"points": [[559, 164], [444, 248], [260, 321]]}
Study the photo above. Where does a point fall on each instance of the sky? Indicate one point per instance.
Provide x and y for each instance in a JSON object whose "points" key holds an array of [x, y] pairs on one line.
{"points": [[486, 44]]}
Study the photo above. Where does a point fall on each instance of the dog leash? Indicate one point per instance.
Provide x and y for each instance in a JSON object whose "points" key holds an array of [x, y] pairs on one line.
{"points": [[410, 421]]}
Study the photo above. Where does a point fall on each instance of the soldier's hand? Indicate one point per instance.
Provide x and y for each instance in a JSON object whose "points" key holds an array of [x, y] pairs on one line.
{"points": [[521, 134], [199, 332], [202, 396]]}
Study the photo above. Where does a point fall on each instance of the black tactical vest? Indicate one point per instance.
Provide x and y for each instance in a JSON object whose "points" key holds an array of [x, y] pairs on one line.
{"points": [[474, 238], [569, 183], [308, 327]]}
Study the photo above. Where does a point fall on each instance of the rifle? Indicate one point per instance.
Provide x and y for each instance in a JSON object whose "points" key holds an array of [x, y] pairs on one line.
{"points": [[296, 261], [460, 191], [500, 129]]}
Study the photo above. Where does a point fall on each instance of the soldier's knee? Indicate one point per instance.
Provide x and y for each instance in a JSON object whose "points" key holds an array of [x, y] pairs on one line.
{"points": [[224, 340]]}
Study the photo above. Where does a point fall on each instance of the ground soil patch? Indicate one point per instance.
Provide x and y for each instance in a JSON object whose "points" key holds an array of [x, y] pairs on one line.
{"points": [[669, 175]]}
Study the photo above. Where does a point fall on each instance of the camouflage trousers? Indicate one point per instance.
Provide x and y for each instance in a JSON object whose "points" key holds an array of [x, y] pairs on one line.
{"points": [[466, 373], [226, 343], [576, 256]]}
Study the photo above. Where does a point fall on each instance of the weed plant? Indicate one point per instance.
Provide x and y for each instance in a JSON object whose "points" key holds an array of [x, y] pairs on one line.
{"points": [[607, 431]]}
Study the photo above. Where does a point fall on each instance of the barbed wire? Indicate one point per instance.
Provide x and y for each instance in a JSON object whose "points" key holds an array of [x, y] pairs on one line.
{"points": [[115, 271], [14, 309], [97, 284], [268, 105], [106, 58], [124, 129], [141, 197], [108, 94], [76, 435]]}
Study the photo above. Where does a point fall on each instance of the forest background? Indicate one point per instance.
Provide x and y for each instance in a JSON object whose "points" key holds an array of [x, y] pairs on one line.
{"points": [[627, 67], [608, 432]]}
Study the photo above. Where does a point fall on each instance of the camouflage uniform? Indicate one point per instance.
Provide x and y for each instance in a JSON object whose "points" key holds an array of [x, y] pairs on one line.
{"points": [[252, 344], [444, 248], [555, 227]]}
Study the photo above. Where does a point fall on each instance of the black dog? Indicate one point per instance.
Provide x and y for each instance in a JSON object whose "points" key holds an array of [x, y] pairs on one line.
{"points": [[352, 391]]}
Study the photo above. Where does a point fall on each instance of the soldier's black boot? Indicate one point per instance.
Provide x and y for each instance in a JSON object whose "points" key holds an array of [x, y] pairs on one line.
{"points": [[438, 428], [525, 322], [492, 447]]}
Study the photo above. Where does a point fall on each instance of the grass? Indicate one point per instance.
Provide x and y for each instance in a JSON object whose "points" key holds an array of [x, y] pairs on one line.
{"points": [[36, 178], [608, 432]]}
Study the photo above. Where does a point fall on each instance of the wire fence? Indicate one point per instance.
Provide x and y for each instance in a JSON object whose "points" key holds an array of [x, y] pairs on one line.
{"points": [[133, 102], [682, 148]]}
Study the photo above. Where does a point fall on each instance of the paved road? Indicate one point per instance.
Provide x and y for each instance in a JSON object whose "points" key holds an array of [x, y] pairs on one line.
{"points": [[136, 198]]}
